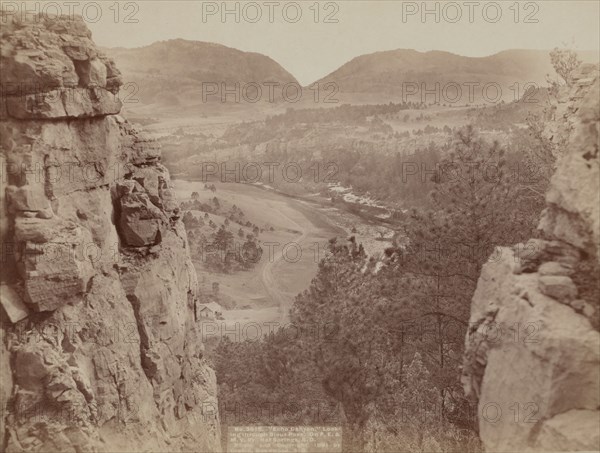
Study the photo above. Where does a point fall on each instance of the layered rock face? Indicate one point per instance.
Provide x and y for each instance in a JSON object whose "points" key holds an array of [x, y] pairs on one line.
{"points": [[533, 349], [100, 350]]}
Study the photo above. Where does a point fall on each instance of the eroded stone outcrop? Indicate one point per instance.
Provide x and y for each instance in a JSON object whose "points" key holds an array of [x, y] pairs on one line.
{"points": [[533, 350], [101, 351]]}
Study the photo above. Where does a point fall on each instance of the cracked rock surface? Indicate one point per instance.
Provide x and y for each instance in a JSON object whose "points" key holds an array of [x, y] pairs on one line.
{"points": [[106, 355], [532, 359]]}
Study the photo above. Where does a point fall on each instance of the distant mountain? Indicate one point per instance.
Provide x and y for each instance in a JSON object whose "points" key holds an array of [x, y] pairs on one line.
{"points": [[389, 71], [172, 72]]}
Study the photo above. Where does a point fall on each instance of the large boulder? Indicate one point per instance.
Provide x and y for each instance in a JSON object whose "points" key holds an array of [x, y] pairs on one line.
{"points": [[529, 358], [141, 221]]}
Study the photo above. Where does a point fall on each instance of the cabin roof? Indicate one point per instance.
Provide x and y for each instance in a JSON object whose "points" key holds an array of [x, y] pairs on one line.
{"points": [[212, 306]]}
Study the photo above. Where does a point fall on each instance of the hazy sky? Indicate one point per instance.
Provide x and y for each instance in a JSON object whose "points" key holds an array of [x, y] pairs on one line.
{"points": [[311, 49]]}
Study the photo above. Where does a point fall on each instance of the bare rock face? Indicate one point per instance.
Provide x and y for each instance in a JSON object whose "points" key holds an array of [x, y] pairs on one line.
{"points": [[52, 69], [573, 212], [100, 351], [532, 357]]}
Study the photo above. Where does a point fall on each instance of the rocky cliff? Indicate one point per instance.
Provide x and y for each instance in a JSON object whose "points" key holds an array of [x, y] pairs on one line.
{"points": [[100, 349], [533, 348]]}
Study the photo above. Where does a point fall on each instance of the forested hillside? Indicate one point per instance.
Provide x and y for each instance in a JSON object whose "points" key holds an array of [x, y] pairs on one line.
{"points": [[377, 344]]}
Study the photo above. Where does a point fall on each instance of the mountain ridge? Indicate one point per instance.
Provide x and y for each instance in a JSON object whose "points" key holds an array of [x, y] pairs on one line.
{"points": [[175, 71], [389, 72]]}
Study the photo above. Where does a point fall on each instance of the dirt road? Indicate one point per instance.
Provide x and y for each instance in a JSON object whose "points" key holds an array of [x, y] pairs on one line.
{"points": [[298, 227], [270, 283]]}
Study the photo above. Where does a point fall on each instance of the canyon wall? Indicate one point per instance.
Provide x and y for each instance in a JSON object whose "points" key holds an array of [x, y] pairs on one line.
{"points": [[100, 350], [533, 349]]}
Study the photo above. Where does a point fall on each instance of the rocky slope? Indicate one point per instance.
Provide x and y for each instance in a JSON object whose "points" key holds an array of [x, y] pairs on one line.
{"points": [[100, 350], [533, 349]]}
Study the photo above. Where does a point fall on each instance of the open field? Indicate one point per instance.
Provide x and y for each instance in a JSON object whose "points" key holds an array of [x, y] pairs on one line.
{"points": [[291, 251]]}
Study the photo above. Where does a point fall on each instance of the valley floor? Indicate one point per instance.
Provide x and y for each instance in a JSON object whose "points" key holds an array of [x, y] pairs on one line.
{"points": [[264, 294]]}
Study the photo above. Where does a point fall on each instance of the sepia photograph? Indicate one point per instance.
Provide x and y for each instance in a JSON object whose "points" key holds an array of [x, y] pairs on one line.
{"points": [[312, 226]]}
